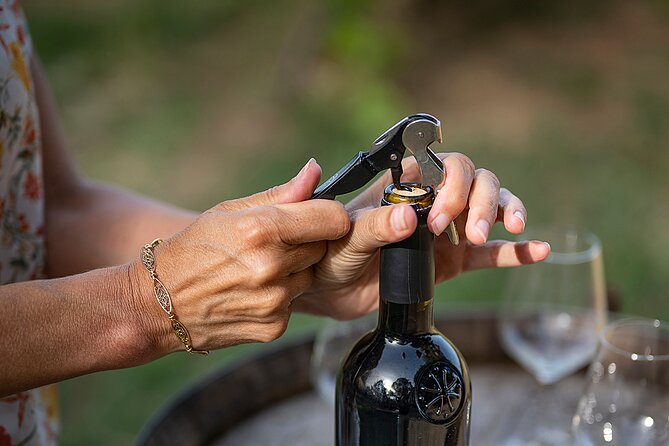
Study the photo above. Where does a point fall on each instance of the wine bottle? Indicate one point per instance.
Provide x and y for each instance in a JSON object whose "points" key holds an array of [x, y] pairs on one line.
{"points": [[405, 383]]}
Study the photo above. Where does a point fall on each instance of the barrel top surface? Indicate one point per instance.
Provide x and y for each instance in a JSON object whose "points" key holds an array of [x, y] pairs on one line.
{"points": [[268, 399], [502, 392]]}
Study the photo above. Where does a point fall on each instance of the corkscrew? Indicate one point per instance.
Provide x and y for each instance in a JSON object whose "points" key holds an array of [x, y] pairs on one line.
{"points": [[415, 133]]}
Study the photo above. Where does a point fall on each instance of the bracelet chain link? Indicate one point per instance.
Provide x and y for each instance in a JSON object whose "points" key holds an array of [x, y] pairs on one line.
{"points": [[163, 297]]}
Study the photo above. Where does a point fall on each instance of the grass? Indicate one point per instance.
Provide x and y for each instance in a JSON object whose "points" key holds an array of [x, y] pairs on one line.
{"points": [[569, 105]]}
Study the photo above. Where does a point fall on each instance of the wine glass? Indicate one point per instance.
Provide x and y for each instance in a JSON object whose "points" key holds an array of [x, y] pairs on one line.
{"points": [[626, 400], [549, 322]]}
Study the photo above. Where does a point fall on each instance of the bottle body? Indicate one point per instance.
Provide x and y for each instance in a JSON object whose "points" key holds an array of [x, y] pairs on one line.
{"points": [[395, 391], [405, 383]]}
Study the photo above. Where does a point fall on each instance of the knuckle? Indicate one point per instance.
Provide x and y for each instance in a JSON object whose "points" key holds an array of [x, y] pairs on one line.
{"points": [[515, 201], [271, 213], [254, 280], [366, 225], [210, 216], [485, 208], [489, 175], [213, 210], [228, 206], [273, 330], [252, 228], [338, 220], [466, 162], [265, 311], [266, 270], [373, 227], [510, 201], [269, 303], [249, 277], [273, 193], [254, 236], [266, 335], [488, 199], [258, 226], [224, 206], [505, 196], [280, 297], [279, 327]]}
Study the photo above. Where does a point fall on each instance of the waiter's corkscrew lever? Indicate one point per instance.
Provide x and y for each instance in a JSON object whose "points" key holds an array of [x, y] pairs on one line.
{"points": [[416, 133]]}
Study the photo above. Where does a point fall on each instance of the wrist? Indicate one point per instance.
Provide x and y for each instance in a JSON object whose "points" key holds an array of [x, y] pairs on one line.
{"points": [[150, 324]]}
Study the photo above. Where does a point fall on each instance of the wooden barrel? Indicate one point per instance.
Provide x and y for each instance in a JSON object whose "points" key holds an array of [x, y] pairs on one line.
{"points": [[252, 402]]}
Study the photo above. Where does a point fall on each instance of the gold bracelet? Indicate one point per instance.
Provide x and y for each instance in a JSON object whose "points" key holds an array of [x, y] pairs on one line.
{"points": [[163, 297]]}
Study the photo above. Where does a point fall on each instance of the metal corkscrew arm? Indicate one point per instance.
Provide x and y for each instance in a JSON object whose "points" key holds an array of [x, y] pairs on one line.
{"points": [[417, 137], [416, 133], [386, 153]]}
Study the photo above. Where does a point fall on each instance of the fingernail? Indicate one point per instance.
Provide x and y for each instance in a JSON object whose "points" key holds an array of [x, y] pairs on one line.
{"points": [[519, 215], [482, 227], [305, 168], [538, 243], [398, 219], [440, 223]]}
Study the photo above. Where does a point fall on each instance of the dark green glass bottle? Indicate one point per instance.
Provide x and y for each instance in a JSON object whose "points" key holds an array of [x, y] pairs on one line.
{"points": [[405, 384]]}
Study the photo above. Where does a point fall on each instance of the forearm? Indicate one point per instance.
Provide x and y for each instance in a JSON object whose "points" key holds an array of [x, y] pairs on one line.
{"points": [[58, 329], [97, 225]]}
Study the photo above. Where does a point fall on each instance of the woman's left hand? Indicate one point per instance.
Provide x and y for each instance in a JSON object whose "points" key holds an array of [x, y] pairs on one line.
{"points": [[346, 283]]}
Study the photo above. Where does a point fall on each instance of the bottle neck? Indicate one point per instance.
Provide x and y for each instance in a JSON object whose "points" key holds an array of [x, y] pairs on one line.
{"points": [[406, 319], [406, 282]]}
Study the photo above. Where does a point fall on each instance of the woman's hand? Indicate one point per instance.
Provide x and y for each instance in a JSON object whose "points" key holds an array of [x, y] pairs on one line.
{"points": [[346, 280], [235, 271]]}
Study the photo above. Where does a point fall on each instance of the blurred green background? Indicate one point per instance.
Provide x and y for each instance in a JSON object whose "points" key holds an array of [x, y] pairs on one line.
{"points": [[196, 102]]}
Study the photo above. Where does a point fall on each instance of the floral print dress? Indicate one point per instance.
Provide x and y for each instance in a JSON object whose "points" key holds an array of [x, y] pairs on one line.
{"points": [[29, 418]]}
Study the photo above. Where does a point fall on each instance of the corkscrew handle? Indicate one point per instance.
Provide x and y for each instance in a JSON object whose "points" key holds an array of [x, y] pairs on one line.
{"points": [[416, 133], [354, 175], [386, 152]]}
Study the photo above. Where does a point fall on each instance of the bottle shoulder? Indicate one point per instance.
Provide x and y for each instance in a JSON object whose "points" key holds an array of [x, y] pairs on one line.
{"points": [[406, 353]]}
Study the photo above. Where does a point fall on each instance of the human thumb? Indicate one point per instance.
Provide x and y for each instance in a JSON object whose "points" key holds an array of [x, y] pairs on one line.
{"points": [[372, 229], [347, 258]]}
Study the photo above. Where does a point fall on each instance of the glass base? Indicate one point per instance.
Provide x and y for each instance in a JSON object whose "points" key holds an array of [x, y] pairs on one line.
{"points": [[545, 437], [545, 420]]}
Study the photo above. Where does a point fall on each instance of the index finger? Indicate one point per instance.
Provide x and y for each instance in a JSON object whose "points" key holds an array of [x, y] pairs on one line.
{"points": [[452, 199], [311, 221]]}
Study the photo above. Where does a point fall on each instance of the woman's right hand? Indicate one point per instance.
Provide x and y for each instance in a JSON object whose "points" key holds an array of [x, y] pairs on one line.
{"points": [[234, 272]]}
